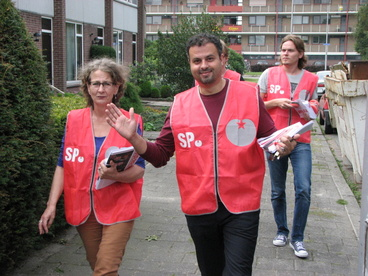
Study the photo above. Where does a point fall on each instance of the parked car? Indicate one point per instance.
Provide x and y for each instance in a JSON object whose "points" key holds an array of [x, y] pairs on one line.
{"points": [[324, 115], [262, 62], [319, 63], [321, 82]]}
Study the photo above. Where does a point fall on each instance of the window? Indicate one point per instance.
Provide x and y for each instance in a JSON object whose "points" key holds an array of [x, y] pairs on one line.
{"points": [[234, 39], [154, 2], [134, 48], [152, 37], [118, 46], [100, 36], [300, 19], [320, 19], [305, 38], [154, 20], [301, 1], [194, 3], [259, 20], [322, 1], [258, 40], [230, 20], [47, 46], [319, 39], [74, 50], [257, 3], [229, 2]]}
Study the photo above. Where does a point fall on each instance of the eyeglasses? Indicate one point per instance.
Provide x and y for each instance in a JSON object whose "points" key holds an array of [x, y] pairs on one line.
{"points": [[105, 84]]}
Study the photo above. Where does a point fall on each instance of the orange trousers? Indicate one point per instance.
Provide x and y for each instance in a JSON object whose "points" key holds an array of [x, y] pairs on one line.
{"points": [[104, 244]]}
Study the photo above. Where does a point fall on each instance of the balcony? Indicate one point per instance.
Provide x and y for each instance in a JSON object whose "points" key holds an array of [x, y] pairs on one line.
{"points": [[232, 28], [309, 48], [269, 9], [287, 9], [224, 9], [236, 47]]}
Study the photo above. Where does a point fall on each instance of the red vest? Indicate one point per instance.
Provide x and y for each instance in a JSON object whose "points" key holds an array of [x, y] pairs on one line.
{"points": [[226, 164], [115, 203], [278, 86], [232, 75]]}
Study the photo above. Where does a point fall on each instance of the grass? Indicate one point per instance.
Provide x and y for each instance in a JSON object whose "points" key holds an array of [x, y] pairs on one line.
{"points": [[253, 74]]}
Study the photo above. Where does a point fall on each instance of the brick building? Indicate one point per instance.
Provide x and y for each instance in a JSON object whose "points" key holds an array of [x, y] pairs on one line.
{"points": [[255, 28], [64, 31]]}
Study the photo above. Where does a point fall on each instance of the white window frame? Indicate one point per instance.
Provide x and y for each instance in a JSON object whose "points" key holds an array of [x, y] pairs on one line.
{"points": [[257, 20], [259, 40], [153, 20], [300, 19], [72, 77]]}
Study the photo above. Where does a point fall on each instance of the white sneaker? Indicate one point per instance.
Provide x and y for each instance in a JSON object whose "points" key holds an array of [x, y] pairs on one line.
{"points": [[299, 249], [280, 240]]}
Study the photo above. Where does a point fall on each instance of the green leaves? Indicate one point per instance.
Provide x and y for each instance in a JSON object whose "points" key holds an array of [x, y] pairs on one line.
{"points": [[173, 63], [361, 33]]}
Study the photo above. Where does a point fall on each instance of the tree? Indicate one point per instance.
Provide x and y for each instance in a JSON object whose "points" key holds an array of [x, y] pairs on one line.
{"points": [[27, 154], [361, 33], [144, 71], [173, 64], [236, 62]]}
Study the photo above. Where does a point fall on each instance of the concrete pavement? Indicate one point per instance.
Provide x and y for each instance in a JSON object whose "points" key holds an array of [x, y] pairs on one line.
{"points": [[161, 245]]}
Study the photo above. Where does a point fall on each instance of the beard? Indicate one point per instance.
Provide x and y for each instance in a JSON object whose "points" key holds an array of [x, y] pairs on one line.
{"points": [[208, 78]]}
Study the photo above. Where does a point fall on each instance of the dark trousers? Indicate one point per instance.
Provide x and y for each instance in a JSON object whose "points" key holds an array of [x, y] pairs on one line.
{"points": [[225, 243]]}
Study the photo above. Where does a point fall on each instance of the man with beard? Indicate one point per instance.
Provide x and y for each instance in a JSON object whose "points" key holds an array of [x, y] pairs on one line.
{"points": [[213, 128]]}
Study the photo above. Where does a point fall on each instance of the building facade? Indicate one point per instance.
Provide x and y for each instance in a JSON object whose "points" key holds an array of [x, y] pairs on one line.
{"points": [[255, 28], [65, 30]]}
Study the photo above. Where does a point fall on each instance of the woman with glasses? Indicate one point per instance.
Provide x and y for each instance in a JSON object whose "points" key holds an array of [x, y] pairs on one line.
{"points": [[103, 217]]}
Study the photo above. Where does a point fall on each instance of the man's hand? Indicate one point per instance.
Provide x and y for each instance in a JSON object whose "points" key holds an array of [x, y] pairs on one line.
{"points": [[126, 127], [285, 146]]}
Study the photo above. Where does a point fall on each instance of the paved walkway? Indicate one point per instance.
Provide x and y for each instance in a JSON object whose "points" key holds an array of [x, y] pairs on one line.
{"points": [[160, 243]]}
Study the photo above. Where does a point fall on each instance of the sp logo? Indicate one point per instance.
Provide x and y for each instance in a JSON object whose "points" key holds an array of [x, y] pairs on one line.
{"points": [[241, 132], [275, 88], [72, 154], [187, 140]]}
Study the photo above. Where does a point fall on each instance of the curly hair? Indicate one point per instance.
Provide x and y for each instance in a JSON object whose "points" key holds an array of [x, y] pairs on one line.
{"points": [[119, 75], [299, 45]]}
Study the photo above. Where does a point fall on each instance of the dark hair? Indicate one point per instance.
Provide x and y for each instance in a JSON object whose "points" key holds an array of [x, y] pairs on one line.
{"points": [[119, 75], [203, 39], [299, 45]]}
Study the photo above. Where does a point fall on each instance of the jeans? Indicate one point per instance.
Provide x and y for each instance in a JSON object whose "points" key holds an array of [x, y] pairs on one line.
{"points": [[301, 161], [225, 243]]}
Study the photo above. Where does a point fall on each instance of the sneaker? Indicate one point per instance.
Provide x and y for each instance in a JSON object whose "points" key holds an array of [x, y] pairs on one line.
{"points": [[299, 249], [280, 240]]}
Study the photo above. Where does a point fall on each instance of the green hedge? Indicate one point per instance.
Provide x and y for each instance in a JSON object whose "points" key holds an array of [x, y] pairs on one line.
{"points": [[166, 91], [28, 151], [100, 51], [131, 98]]}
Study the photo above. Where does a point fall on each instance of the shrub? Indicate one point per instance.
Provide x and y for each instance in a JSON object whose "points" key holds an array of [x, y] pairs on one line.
{"points": [[315, 68], [155, 93], [62, 104], [100, 51], [153, 118], [131, 98], [146, 89], [166, 91], [259, 67], [28, 152]]}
